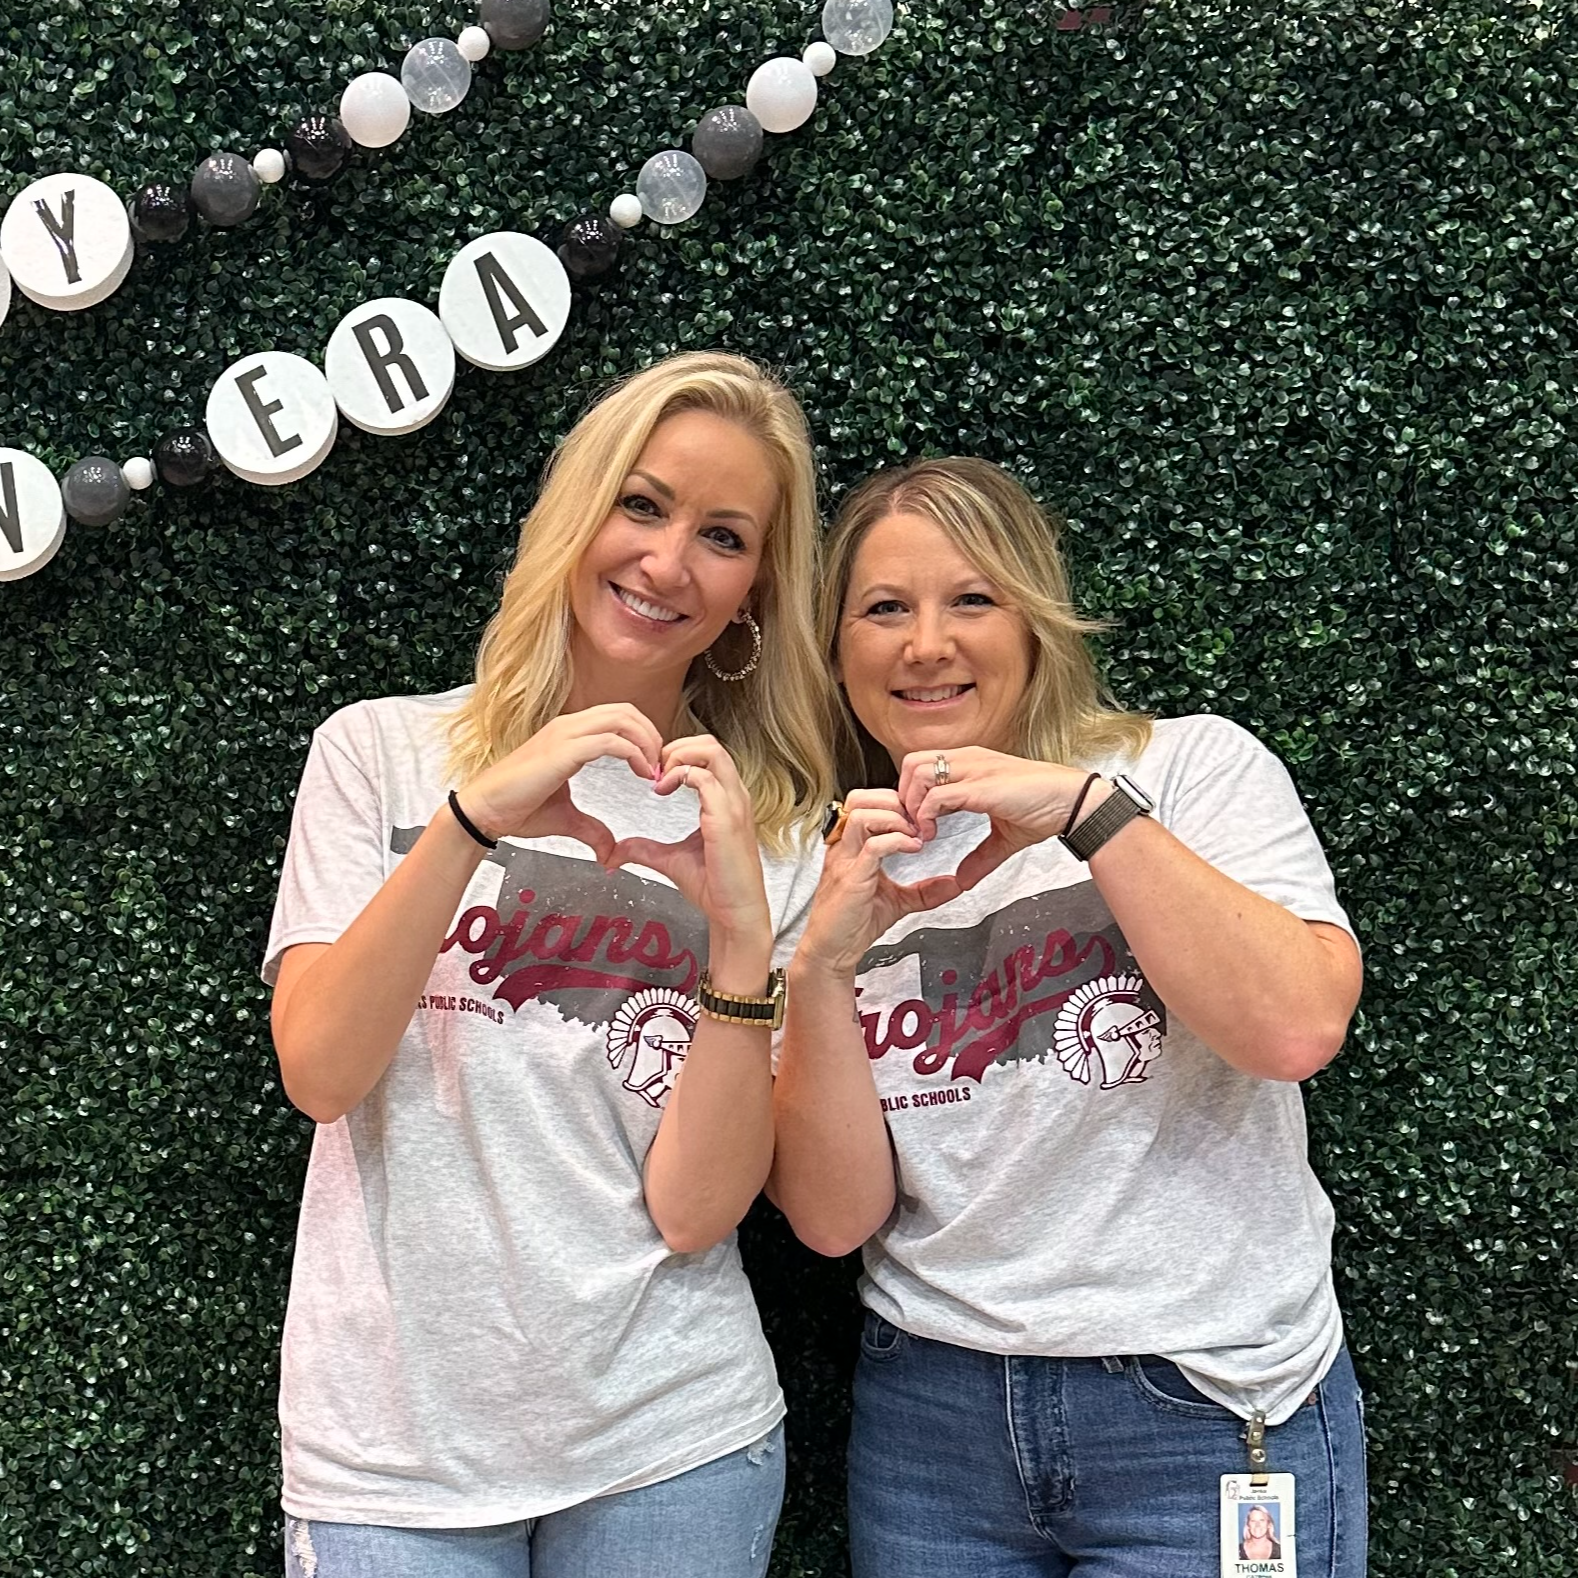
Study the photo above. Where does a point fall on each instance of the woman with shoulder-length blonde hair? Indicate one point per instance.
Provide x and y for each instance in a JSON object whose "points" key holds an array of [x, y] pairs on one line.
{"points": [[1063, 971], [519, 1337]]}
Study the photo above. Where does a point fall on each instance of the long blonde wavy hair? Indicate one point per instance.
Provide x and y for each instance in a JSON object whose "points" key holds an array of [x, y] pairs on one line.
{"points": [[778, 721], [1066, 714]]}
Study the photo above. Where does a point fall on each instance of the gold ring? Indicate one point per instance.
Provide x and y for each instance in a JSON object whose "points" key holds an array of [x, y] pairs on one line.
{"points": [[940, 774], [837, 816]]}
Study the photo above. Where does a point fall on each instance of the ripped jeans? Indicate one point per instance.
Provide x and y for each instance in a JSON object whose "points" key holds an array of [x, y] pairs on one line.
{"points": [[715, 1521]]}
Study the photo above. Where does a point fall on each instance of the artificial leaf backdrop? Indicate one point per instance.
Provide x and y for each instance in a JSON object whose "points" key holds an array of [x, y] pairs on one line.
{"points": [[1272, 301]]}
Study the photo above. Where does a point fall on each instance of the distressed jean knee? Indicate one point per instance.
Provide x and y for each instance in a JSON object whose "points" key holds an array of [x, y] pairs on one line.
{"points": [[298, 1542]]}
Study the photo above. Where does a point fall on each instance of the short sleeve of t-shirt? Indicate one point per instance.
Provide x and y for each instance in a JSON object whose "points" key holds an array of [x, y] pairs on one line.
{"points": [[334, 862], [1228, 798]]}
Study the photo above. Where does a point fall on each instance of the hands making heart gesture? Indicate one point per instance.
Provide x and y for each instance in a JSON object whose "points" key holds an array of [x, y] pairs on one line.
{"points": [[856, 901], [527, 795]]}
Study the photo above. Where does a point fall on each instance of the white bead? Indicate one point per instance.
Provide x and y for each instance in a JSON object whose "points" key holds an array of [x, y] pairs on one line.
{"points": [[138, 472], [269, 166], [374, 109], [781, 94], [820, 57], [474, 43], [435, 75], [625, 210]]}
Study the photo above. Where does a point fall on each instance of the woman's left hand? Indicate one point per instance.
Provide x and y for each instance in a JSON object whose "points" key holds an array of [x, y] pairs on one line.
{"points": [[718, 868], [1028, 802]]}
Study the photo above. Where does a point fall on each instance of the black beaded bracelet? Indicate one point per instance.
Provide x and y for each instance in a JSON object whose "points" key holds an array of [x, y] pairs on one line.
{"points": [[1073, 816], [470, 826]]}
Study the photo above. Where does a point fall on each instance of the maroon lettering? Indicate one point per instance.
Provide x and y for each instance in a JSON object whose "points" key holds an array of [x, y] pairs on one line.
{"points": [[554, 937]]}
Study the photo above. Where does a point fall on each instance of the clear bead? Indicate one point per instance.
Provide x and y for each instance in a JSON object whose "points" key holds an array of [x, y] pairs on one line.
{"points": [[856, 27], [435, 76], [671, 186]]}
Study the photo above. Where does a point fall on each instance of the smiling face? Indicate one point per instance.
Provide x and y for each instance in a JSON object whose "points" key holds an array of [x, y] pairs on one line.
{"points": [[929, 654], [1258, 1523], [672, 564]]}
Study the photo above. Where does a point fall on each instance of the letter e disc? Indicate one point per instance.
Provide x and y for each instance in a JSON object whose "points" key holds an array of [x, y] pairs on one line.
{"points": [[272, 418], [391, 365], [67, 242], [505, 301], [5, 290], [32, 514]]}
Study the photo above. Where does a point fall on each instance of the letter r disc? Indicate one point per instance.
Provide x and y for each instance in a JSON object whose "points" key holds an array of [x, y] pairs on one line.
{"points": [[67, 242], [391, 365], [505, 301], [272, 418]]}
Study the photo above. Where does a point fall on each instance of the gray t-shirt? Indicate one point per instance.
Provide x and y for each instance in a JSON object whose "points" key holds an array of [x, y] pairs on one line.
{"points": [[1078, 1175], [484, 1324]]}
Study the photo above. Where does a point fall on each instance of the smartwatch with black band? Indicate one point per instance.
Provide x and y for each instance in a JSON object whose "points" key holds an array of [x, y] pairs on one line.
{"points": [[1126, 802]]}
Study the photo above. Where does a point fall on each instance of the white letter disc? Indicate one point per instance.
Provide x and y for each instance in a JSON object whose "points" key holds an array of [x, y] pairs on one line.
{"points": [[272, 418], [391, 365], [32, 514], [505, 301], [67, 242]]}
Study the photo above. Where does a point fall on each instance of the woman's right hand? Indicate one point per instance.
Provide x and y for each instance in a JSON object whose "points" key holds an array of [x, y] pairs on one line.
{"points": [[856, 901], [527, 793]]}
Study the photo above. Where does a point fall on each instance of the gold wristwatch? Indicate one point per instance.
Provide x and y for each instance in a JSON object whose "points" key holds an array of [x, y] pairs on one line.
{"points": [[733, 1009]]}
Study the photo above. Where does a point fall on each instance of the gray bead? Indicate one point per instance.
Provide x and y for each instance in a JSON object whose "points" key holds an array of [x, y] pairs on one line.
{"points": [[727, 142], [95, 492], [225, 189], [515, 24]]}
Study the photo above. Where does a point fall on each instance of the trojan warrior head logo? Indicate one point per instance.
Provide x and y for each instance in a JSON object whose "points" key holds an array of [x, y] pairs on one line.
{"points": [[648, 1038], [1109, 1024]]}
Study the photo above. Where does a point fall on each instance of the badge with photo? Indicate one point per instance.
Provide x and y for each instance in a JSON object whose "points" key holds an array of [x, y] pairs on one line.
{"points": [[1258, 1533]]}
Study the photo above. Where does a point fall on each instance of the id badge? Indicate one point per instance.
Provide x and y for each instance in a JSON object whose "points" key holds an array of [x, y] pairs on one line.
{"points": [[1258, 1531]]}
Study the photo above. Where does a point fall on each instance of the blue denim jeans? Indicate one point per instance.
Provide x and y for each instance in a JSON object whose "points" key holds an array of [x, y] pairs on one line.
{"points": [[715, 1521], [981, 1466]]}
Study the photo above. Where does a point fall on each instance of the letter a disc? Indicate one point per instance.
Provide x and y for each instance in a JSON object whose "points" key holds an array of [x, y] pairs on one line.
{"points": [[67, 242], [505, 301]]}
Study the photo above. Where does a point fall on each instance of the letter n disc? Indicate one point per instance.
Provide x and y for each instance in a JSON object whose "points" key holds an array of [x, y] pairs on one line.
{"points": [[83, 258], [505, 301], [32, 514], [391, 365], [272, 418]]}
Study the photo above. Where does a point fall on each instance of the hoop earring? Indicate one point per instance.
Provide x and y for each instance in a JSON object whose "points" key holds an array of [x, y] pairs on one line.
{"points": [[751, 662]]}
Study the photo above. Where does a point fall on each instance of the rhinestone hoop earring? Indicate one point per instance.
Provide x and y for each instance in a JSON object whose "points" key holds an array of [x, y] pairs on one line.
{"points": [[751, 662]]}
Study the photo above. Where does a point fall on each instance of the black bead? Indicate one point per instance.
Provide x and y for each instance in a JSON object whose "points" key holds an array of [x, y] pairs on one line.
{"points": [[590, 247], [183, 457], [319, 147], [161, 212]]}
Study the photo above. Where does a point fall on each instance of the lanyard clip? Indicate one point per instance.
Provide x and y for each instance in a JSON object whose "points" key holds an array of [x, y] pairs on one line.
{"points": [[1255, 1437]]}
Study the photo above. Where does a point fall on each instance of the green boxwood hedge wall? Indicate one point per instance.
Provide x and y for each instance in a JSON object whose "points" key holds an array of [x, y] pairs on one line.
{"points": [[1275, 301]]}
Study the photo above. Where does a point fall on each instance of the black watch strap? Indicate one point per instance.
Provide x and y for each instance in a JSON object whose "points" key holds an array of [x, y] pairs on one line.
{"points": [[1115, 812]]}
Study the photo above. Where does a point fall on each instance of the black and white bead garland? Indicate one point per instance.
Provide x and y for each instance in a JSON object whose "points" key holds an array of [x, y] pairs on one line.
{"points": [[67, 242]]}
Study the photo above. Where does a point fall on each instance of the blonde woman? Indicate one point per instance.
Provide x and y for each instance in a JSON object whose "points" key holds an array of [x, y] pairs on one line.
{"points": [[519, 1339], [1063, 971]]}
